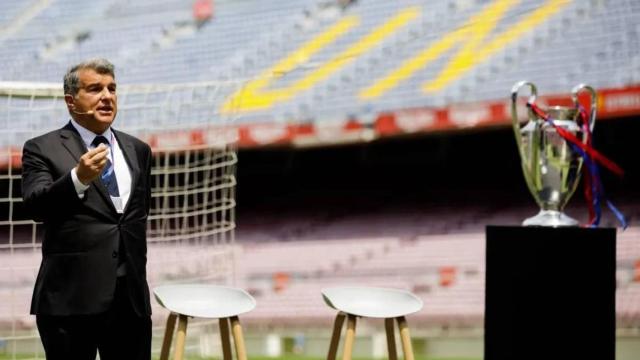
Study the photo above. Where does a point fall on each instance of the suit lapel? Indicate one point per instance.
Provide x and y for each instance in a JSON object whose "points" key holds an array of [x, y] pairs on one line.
{"points": [[72, 141], [130, 156]]}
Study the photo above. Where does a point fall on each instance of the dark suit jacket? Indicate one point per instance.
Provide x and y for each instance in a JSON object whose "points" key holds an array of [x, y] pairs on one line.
{"points": [[81, 236]]}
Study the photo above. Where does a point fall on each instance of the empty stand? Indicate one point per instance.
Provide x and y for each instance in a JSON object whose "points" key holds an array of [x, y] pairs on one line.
{"points": [[342, 76]]}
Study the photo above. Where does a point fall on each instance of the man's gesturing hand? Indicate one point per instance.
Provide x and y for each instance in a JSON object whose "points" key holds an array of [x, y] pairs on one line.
{"points": [[92, 163]]}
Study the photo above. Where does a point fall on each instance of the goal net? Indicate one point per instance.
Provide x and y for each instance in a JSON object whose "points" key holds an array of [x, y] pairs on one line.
{"points": [[191, 224]]}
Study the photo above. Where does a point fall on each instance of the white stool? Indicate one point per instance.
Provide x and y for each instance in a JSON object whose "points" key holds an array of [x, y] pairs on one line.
{"points": [[204, 301], [372, 302]]}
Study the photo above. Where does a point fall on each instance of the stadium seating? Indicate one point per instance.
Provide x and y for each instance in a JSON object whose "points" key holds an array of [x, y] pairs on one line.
{"points": [[415, 265], [595, 42], [9, 10]]}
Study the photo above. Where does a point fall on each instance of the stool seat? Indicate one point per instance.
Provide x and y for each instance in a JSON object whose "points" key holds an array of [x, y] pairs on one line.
{"points": [[204, 301], [372, 301]]}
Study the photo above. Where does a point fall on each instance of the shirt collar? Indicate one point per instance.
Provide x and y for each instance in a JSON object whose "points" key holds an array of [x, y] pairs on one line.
{"points": [[88, 135]]}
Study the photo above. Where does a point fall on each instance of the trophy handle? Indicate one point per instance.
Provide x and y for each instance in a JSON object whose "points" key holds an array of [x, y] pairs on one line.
{"points": [[594, 98], [514, 107]]}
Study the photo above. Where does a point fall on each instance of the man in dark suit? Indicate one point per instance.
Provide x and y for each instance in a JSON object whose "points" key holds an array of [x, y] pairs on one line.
{"points": [[90, 186]]}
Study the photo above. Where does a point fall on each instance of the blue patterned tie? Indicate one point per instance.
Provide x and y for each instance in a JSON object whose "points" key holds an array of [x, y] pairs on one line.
{"points": [[108, 175]]}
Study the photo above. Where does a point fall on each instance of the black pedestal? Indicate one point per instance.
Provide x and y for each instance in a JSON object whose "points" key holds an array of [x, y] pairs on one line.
{"points": [[550, 293]]}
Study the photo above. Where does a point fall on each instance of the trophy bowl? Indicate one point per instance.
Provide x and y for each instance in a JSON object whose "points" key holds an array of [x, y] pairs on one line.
{"points": [[550, 166]]}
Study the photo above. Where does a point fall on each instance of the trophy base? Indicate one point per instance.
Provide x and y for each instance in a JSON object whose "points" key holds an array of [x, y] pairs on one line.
{"points": [[551, 218]]}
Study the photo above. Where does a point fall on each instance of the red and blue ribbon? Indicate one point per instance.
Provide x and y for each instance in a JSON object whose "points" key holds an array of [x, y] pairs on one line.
{"points": [[593, 188]]}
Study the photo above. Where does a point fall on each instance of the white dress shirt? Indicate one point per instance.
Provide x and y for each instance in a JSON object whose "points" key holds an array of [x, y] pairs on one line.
{"points": [[123, 173]]}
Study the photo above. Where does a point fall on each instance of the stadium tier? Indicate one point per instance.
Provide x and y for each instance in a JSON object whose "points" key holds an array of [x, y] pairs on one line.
{"points": [[316, 72], [447, 271]]}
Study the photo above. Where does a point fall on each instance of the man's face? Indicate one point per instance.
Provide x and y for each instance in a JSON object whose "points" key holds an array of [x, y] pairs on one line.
{"points": [[96, 104]]}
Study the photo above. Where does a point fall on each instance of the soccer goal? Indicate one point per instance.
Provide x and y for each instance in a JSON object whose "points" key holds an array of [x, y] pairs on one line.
{"points": [[191, 224]]}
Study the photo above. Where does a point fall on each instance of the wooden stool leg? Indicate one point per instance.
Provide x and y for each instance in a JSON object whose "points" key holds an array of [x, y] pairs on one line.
{"points": [[168, 336], [349, 337], [406, 338], [180, 339], [335, 337], [224, 337], [238, 338], [391, 339]]}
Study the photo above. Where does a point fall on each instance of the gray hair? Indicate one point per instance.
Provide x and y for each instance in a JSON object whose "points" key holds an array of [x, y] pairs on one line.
{"points": [[71, 79]]}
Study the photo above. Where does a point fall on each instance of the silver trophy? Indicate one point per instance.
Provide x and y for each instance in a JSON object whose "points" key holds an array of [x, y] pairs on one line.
{"points": [[550, 166]]}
